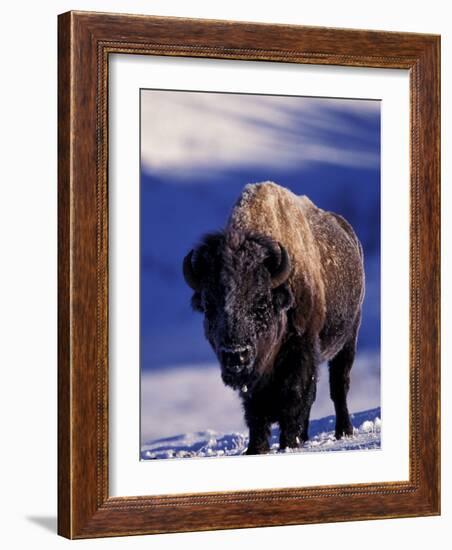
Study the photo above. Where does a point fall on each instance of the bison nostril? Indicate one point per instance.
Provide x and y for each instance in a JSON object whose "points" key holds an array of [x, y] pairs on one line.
{"points": [[235, 359], [244, 356]]}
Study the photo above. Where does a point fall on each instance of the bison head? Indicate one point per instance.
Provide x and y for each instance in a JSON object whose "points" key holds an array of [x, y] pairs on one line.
{"points": [[240, 285]]}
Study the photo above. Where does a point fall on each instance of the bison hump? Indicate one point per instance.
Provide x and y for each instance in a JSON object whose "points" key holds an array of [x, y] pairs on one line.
{"points": [[269, 209]]}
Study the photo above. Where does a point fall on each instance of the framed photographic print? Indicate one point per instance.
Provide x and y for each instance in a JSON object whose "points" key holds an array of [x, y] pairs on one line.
{"points": [[248, 275]]}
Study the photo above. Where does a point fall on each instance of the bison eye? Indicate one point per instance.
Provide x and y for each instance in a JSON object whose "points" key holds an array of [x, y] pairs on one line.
{"points": [[283, 298], [260, 307]]}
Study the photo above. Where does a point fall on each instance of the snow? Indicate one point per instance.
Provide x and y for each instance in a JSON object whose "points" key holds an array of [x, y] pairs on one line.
{"points": [[185, 400], [210, 443], [367, 426], [192, 398], [187, 411]]}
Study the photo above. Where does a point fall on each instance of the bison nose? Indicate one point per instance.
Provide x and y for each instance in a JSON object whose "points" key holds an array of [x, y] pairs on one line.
{"points": [[235, 359]]}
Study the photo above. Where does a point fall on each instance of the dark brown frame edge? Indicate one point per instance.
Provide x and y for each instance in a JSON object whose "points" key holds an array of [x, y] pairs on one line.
{"points": [[85, 41]]}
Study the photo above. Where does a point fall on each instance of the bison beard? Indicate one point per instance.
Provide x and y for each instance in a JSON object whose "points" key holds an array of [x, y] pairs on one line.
{"points": [[281, 290]]}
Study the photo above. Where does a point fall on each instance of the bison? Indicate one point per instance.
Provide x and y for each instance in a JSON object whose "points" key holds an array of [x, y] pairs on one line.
{"points": [[281, 289]]}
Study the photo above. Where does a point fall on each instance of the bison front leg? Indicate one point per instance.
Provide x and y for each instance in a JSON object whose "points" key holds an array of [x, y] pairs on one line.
{"points": [[259, 426], [290, 433], [294, 418], [299, 386], [259, 434]]}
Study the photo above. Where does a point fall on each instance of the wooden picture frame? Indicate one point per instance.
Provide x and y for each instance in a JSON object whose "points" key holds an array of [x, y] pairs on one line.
{"points": [[85, 42]]}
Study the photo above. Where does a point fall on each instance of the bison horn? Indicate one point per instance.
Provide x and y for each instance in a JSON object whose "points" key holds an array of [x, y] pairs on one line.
{"points": [[189, 272], [281, 272]]}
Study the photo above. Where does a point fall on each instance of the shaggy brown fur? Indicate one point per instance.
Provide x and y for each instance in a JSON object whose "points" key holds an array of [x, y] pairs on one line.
{"points": [[327, 278]]}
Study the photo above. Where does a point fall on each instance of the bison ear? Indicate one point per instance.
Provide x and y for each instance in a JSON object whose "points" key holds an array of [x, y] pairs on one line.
{"points": [[283, 298], [196, 262]]}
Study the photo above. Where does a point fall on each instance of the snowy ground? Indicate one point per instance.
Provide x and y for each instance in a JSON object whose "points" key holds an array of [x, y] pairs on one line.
{"points": [[187, 399], [187, 411], [210, 443]]}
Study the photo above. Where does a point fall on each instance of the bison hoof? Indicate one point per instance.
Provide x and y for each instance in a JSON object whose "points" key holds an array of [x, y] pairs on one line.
{"points": [[292, 443], [257, 450], [341, 432]]}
